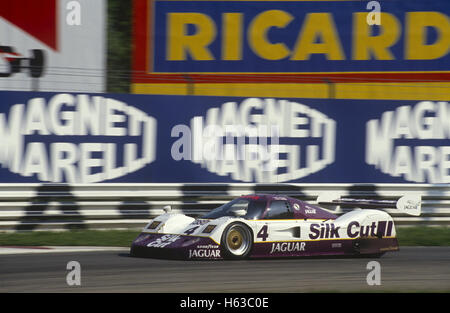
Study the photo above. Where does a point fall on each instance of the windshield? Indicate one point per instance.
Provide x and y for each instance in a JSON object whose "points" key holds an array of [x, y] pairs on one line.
{"points": [[254, 208]]}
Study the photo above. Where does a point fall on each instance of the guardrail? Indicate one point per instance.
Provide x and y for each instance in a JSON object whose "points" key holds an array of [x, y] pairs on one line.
{"points": [[27, 207]]}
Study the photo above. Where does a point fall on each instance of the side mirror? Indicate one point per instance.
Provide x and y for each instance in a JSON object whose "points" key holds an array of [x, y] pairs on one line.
{"points": [[238, 211], [167, 208]]}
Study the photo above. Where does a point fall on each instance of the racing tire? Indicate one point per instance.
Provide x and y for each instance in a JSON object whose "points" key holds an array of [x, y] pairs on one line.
{"points": [[237, 241]]}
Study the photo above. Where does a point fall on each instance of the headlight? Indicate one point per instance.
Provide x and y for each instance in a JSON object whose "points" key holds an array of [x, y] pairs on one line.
{"points": [[154, 225], [208, 229]]}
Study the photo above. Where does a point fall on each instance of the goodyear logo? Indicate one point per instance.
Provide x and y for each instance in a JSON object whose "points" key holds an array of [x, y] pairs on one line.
{"points": [[76, 138], [304, 36]]}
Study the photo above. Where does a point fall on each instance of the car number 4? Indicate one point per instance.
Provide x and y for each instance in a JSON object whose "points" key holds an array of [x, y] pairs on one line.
{"points": [[263, 234]]}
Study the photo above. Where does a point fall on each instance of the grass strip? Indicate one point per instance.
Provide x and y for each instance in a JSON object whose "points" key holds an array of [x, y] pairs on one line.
{"points": [[423, 236], [107, 238]]}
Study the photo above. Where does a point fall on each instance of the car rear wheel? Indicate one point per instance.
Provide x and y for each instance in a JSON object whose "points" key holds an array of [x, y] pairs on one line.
{"points": [[237, 241]]}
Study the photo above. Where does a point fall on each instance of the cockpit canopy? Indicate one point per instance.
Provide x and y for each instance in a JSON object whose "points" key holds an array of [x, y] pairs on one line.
{"points": [[257, 207]]}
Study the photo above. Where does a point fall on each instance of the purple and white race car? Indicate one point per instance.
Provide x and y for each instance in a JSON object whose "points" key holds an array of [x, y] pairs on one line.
{"points": [[260, 226]]}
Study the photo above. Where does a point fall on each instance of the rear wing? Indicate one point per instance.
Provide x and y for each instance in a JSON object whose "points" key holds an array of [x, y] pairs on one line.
{"points": [[409, 204]]}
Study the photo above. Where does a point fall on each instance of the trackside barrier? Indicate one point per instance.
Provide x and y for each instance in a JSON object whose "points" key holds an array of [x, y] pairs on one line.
{"points": [[29, 207]]}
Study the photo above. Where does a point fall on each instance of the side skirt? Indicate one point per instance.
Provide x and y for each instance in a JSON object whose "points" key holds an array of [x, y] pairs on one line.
{"points": [[358, 246]]}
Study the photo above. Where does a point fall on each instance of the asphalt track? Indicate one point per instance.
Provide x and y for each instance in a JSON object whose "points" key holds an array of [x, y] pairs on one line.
{"points": [[412, 269]]}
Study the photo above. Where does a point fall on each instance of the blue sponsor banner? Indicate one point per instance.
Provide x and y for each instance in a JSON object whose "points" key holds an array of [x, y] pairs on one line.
{"points": [[91, 138], [298, 36]]}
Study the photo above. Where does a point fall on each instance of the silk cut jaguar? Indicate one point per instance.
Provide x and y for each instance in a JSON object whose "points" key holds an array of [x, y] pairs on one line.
{"points": [[262, 226]]}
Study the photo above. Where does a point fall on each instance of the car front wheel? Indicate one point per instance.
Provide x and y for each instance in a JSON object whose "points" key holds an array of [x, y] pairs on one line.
{"points": [[237, 241]]}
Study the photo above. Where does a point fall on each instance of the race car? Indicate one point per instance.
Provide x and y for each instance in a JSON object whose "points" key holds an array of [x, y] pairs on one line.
{"points": [[262, 226]]}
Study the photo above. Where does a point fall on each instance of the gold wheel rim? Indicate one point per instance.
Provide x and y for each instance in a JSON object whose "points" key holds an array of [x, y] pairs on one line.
{"points": [[235, 239]]}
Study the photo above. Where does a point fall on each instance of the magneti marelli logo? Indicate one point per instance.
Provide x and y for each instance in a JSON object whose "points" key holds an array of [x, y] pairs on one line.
{"points": [[76, 139], [411, 142], [258, 140]]}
